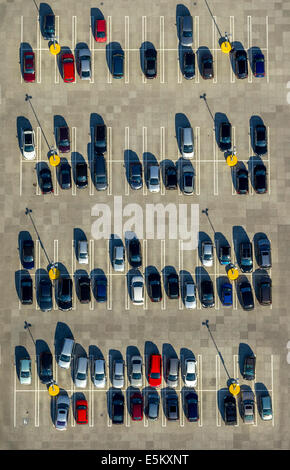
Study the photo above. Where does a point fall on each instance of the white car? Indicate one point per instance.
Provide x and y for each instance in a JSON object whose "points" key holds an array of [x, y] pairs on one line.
{"points": [[189, 294], [28, 144], [118, 373], [119, 258], [99, 373], [25, 372], [136, 371], [137, 290], [154, 179], [81, 372], [190, 376], [83, 254], [66, 353], [207, 253], [61, 412]]}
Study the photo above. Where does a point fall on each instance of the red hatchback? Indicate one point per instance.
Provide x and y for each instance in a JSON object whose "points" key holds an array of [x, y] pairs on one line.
{"points": [[136, 402], [68, 67], [155, 366], [82, 411], [101, 31], [29, 66]]}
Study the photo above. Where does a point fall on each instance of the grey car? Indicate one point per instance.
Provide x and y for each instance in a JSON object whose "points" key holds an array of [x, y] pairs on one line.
{"points": [[84, 64], [61, 412], [153, 401], [186, 30], [81, 372], [119, 258], [172, 372], [265, 405], [25, 372], [264, 255], [187, 142], [45, 294], [136, 371], [154, 179], [99, 373], [187, 179], [118, 373]]}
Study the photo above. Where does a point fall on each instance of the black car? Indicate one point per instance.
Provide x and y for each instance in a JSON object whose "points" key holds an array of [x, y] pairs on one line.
{"points": [[207, 66], [100, 138], [260, 179], [134, 253], [48, 26], [100, 172], [45, 181], [246, 295], [242, 181], [265, 291], [191, 406], [84, 289], [249, 367], [230, 409], [101, 289], [241, 64], [172, 407], [170, 177], [27, 254], [45, 367], [26, 290], [63, 138], [173, 286], [64, 293], [260, 140], [44, 294], [150, 62], [118, 64], [154, 287], [264, 253], [64, 175], [206, 293], [135, 175], [188, 65], [225, 136], [118, 408], [246, 257], [81, 172]]}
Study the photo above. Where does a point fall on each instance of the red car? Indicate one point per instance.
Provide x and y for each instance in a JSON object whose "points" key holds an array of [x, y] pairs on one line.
{"points": [[101, 31], [82, 411], [155, 374], [68, 67], [29, 66], [136, 402]]}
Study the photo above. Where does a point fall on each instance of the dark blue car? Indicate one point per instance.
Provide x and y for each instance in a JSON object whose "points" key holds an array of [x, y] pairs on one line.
{"points": [[118, 64], [259, 65], [227, 294], [101, 289], [27, 254]]}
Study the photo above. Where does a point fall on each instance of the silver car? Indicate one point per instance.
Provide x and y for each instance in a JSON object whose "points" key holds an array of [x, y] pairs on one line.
{"points": [[186, 30], [118, 373], [28, 144], [136, 371], [84, 64], [207, 253], [119, 258], [99, 373], [61, 412], [137, 290], [190, 376], [154, 179], [172, 372], [189, 294], [25, 372], [187, 142], [83, 254], [81, 372]]}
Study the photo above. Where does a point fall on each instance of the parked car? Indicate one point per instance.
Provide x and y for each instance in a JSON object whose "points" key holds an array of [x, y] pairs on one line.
{"points": [[101, 289], [25, 371], [63, 139], [48, 27], [137, 289], [248, 407], [82, 412], [240, 63], [136, 371], [136, 404], [118, 64], [186, 142], [64, 175], [230, 410], [117, 408], [26, 290], [44, 294], [260, 179], [191, 407], [81, 175], [29, 66], [227, 294], [172, 407], [265, 406], [100, 172], [188, 66], [64, 293], [225, 136], [83, 252], [249, 367], [152, 409], [27, 254], [134, 252], [99, 373], [189, 294], [207, 253], [100, 138], [186, 30], [154, 287], [242, 182], [45, 367], [84, 289], [170, 177], [119, 258], [101, 30], [207, 293], [155, 370], [187, 179], [135, 175], [84, 64], [190, 374], [265, 291], [264, 253], [68, 67], [62, 412], [45, 181], [172, 372], [207, 71], [28, 144], [150, 62], [247, 300], [81, 372], [118, 373], [154, 179], [65, 357], [246, 257], [173, 286], [259, 65], [225, 254], [260, 139]]}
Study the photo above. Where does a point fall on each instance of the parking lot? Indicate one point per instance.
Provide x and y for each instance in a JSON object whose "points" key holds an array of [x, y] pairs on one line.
{"points": [[143, 119]]}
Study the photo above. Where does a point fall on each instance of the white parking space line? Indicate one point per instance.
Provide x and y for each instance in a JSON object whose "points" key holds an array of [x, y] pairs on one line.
{"points": [[232, 38], [73, 270], [180, 268], [234, 168], [144, 150], [161, 53], [196, 29], [55, 260], [110, 182], [249, 26], [21, 42], [91, 406], [92, 49], [37, 275], [179, 65], [126, 288], [92, 259], [197, 153], [215, 167], [236, 376], [127, 50], [218, 373], [268, 160], [214, 50], [272, 389], [74, 33], [36, 395], [38, 54], [91, 184], [127, 147], [162, 157]]}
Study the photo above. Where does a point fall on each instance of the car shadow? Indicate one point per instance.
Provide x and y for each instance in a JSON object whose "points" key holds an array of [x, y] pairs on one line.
{"points": [[44, 9], [130, 157], [181, 10], [96, 14]]}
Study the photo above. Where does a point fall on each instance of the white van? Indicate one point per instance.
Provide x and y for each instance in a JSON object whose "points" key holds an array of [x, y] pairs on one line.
{"points": [[66, 353]]}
